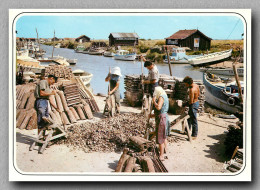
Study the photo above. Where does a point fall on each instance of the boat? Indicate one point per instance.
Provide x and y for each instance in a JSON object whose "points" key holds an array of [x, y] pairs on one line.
{"points": [[80, 49], [108, 54], [84, 76], [223, 71], [179, 56], [222, 95], [211, 58], [57, 45], [124, 55], [96, 51], [72, 61]]}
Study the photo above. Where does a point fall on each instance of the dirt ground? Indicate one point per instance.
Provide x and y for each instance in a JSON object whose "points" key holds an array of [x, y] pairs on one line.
{"points": [[203, 155]]}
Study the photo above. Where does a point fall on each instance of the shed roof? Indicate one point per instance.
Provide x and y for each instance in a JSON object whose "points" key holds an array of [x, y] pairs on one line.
{"points": [[183, 34], [124, 35], [82, 37]]}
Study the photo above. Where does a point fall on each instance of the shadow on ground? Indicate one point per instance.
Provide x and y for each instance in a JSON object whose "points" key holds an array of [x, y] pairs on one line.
{"points": [[217, 150], [25, 139], [113, 165]]}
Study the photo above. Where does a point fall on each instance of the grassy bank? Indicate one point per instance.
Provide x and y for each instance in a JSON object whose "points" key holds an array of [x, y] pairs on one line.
{"points": [[154, 48]]}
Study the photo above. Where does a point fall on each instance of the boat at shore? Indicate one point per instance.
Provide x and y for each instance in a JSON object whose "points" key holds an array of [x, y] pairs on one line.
{"points": [[211, 58], [84, 76], [223, 71], [108, 54], [124, 55], [96, 51], [80, 49], [221, 95], [179, 56]]}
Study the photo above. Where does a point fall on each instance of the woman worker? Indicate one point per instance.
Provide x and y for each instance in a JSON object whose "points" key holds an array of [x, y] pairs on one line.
{"points": [[114, 79], [161, 106]]}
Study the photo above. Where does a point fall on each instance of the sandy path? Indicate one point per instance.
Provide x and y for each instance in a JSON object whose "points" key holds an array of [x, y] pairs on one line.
{"points": [[202, 155]]}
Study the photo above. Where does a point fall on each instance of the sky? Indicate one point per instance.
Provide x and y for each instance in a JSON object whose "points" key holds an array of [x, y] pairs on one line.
{"points": [[147, 27]]}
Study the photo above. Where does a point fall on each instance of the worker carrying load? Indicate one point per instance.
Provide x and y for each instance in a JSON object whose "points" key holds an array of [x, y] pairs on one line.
{"points": [[114, 81]]}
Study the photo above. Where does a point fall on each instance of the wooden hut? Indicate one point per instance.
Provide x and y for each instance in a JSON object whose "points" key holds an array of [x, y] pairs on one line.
{"points": [[194, 39], [123, 39], [82, 39]]}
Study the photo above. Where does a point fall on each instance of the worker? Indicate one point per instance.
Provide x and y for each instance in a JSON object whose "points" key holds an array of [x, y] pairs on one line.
{"points": [[161, 107], [42, 93], [153, 75], [194, 93], [114, 79]]}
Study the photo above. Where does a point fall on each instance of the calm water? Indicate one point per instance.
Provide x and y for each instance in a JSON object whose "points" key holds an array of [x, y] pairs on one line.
{"points": [[99, 67]]}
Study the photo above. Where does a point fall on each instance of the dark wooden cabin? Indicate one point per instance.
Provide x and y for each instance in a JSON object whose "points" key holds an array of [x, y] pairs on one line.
{"points": [[194, 39], [123, 39], [82, 39]]}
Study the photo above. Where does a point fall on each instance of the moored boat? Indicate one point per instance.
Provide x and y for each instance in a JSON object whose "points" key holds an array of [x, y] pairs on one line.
{"points": [[84, 76], [223, 71], [211, 58], [96, 51], [80, 49], [72, 61], [124, 55], [179, 56], [221, 95], [108, 54]]}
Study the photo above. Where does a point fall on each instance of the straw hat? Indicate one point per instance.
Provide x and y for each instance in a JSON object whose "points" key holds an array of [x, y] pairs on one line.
{"points": [[116, 71]]}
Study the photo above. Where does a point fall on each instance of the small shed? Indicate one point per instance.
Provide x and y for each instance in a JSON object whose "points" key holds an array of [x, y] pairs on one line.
{"points": [[123, 39], [82, 39], [194, 39], [55, 39]]}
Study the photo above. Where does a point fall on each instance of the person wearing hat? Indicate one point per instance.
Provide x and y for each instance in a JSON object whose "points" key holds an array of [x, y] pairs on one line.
{"points": [[153, 75], [42, 93], [161, 107], [114, 79]]}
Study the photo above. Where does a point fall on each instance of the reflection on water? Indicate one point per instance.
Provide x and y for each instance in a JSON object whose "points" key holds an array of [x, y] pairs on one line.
{"points": [[99, 67]]}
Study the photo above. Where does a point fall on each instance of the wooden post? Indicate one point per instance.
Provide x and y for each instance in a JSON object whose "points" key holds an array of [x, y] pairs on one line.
{"points": [[53, 45], [237, 81], [169, 63], [38, 41]]}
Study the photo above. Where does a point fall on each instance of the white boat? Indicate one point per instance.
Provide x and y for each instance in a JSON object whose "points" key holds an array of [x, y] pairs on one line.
{"points": [[124, 55], [179, 56], [80, 49], [58, 45], [224, 71], [72, 61], [96, 51], [108, 54], [84, 76], [222, 95], [211, 58]]}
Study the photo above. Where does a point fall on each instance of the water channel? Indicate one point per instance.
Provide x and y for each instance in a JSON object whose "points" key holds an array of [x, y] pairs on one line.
{"points": [[99, 67]]}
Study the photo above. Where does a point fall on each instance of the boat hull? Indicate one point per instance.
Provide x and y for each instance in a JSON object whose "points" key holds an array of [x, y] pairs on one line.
{"points": [[216, 97], [227, 72], [128, 57], [211, 59], [176, 61]]}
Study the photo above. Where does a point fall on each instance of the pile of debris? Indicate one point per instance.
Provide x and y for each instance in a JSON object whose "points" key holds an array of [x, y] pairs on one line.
{"points": [[175, 89], [107, 135], [59, 71]]}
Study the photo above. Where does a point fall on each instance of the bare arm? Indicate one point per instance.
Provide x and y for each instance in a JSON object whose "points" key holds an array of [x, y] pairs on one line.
{"points": [[43, 93], [158, 105], [107, 78]]}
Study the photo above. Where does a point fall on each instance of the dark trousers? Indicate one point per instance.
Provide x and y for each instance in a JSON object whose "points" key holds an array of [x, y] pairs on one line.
{"points": [[192, 121], [42, 110], [152, 88]]}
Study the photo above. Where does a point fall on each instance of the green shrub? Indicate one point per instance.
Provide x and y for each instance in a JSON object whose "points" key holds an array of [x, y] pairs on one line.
{"points": [[143, 49]]}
